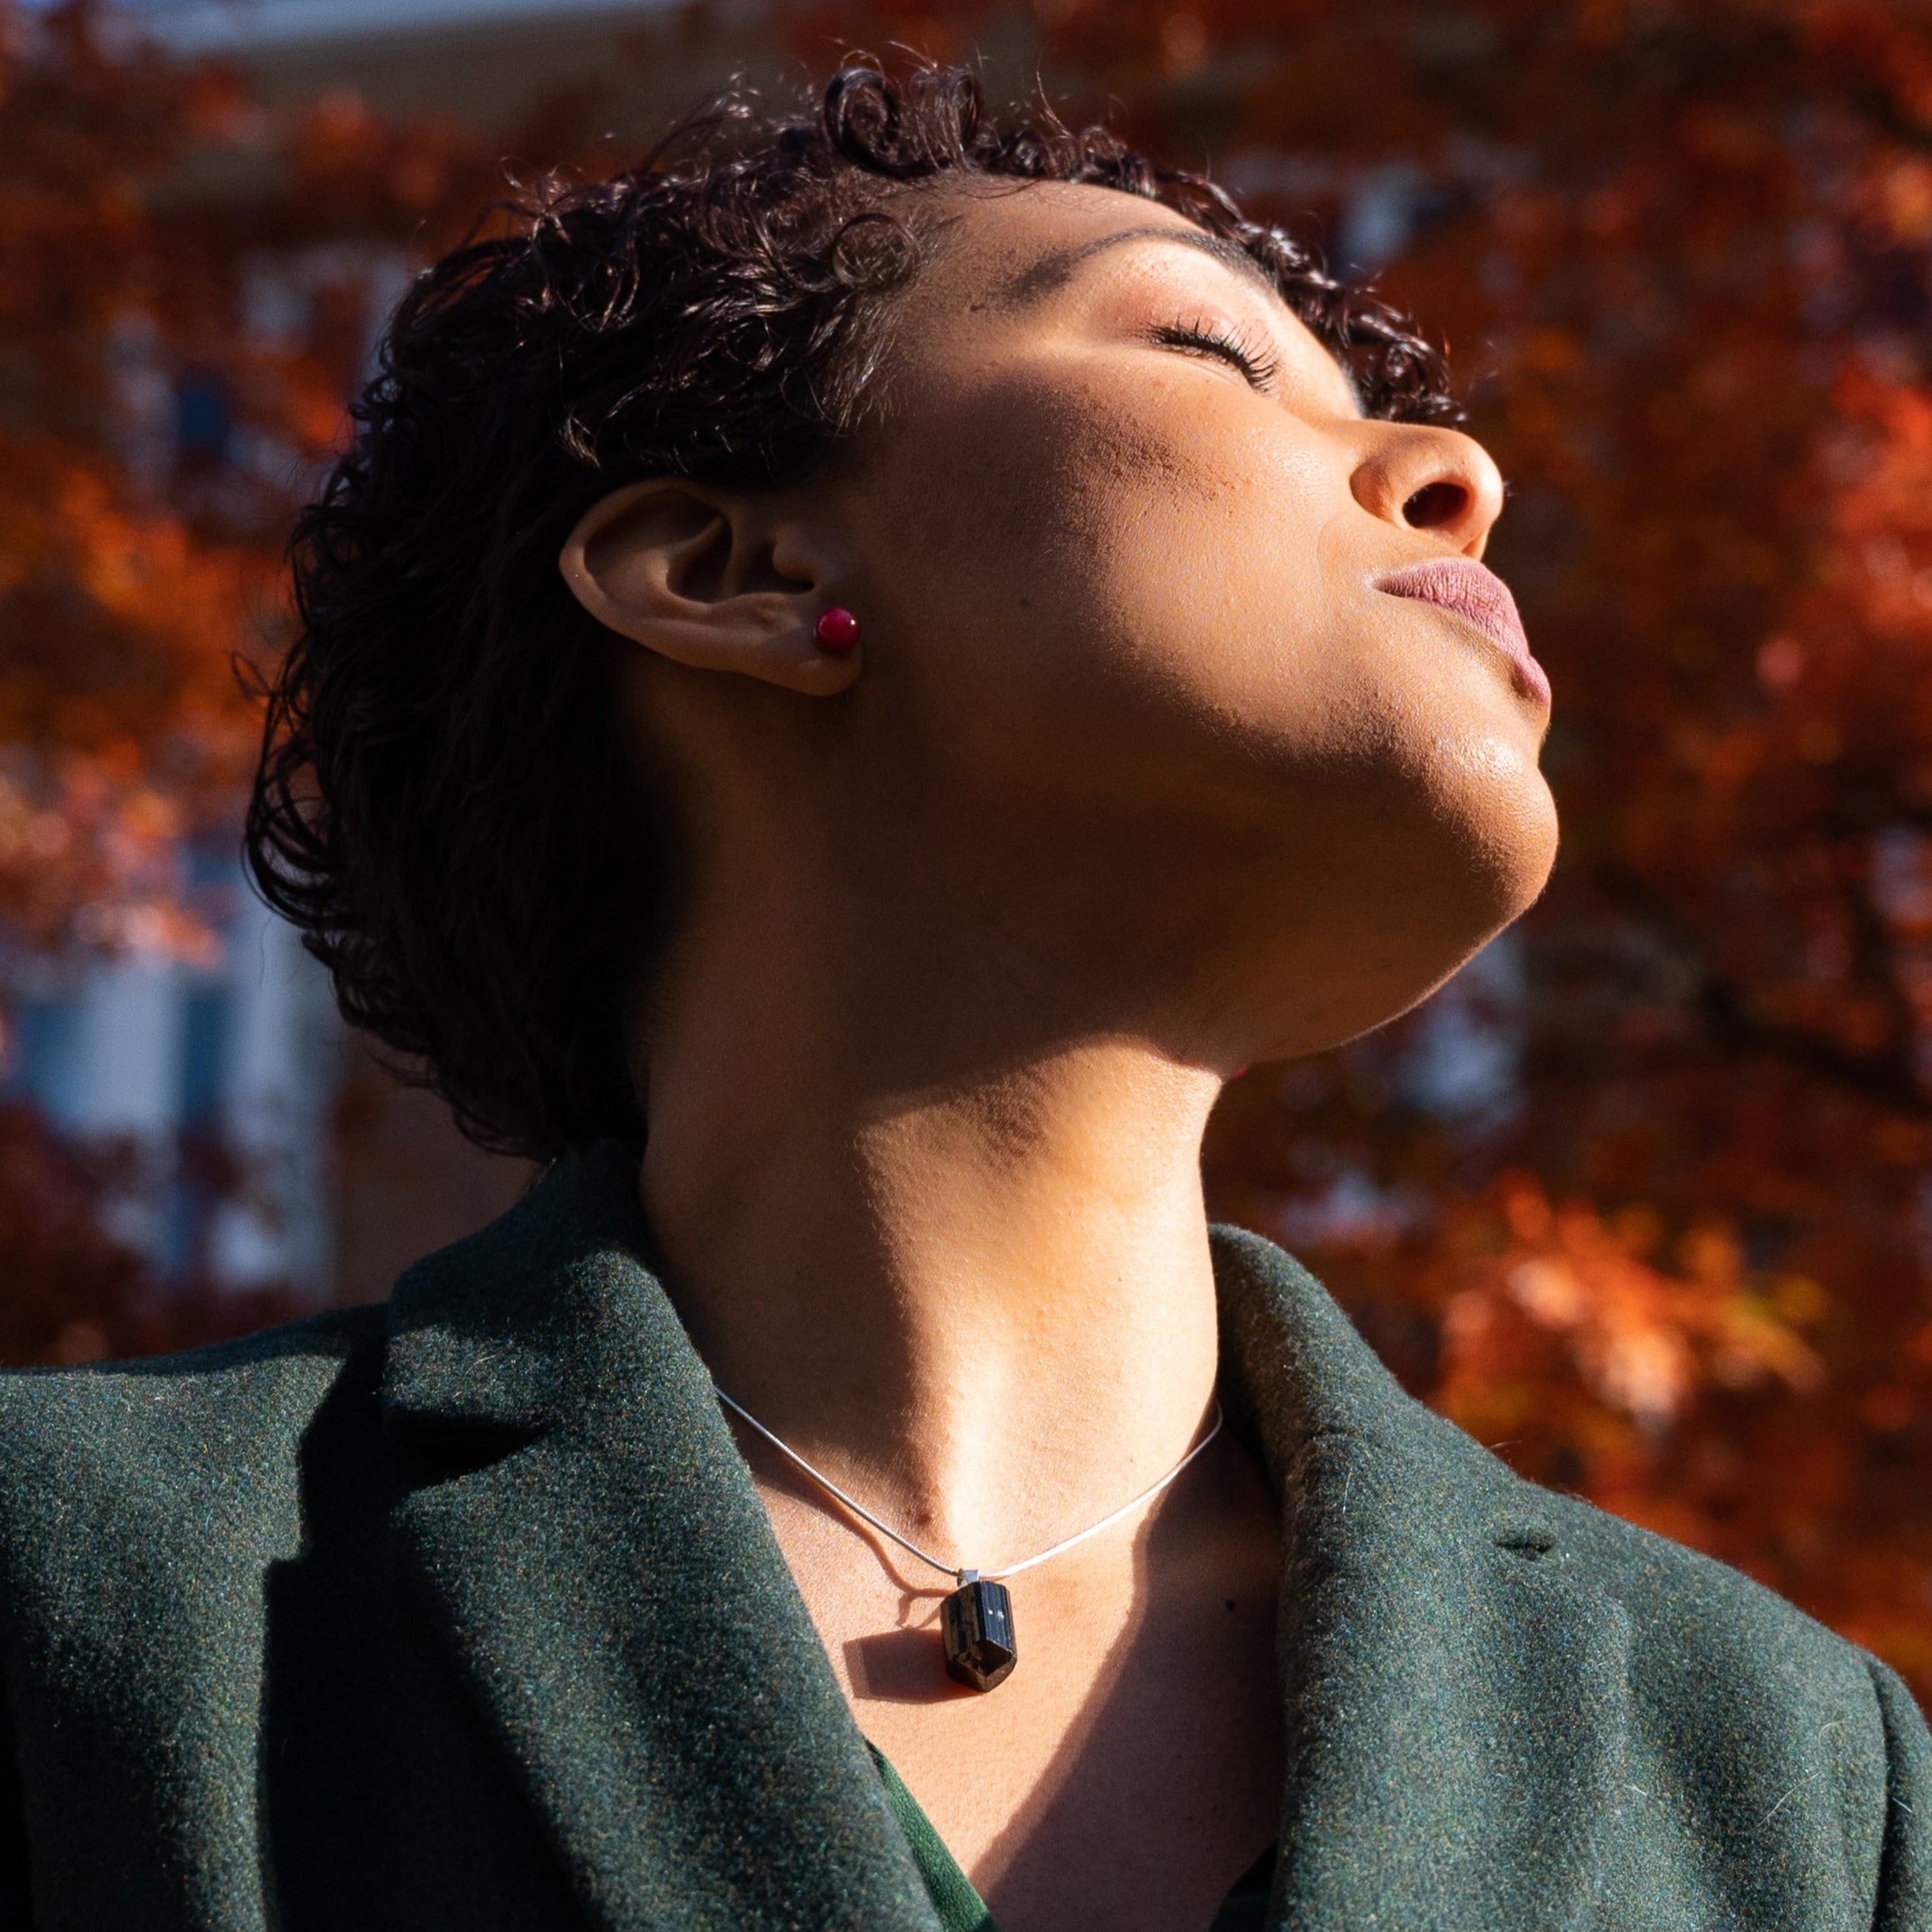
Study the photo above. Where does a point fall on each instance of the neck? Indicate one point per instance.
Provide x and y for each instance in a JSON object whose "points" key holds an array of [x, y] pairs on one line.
{"points": [[962, 1269]]}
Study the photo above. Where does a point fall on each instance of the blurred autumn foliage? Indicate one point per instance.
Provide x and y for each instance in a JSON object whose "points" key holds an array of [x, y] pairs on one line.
{"points": [[115, 622], [140, 560], [138, 568], [1674, 1249]]}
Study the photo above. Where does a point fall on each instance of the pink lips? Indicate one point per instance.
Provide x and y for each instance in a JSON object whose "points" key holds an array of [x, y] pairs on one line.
{"points": [[1480, 596]]}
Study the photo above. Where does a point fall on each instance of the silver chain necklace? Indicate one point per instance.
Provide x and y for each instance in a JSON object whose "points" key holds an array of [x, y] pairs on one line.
{"points": [[976, 1621]]}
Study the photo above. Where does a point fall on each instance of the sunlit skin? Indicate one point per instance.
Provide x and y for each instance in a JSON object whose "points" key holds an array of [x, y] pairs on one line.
{"points": [[1135, 778]]}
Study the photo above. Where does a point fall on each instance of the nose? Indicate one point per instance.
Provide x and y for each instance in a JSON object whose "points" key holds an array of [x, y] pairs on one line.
{"points": [[1418, 476]]}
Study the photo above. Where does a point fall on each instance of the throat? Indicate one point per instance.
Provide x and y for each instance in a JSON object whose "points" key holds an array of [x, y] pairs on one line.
{"points": [[989, 1317]]}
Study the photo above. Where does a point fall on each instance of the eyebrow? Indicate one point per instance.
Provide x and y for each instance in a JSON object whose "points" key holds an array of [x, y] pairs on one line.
{"points": [[1044, 278]]}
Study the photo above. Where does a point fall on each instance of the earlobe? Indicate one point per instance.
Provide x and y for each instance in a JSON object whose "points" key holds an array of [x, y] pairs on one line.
{"points": [[689, 571]]}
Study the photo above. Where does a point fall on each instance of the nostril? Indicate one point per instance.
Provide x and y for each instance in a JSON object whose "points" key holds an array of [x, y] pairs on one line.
{"points": [[1436, 504]]}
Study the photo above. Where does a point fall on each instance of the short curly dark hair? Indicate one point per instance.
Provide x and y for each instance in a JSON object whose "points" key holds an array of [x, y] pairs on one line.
{"points": [[442, 806]]}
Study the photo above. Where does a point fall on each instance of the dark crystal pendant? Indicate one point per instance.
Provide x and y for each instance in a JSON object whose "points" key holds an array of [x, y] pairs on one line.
{"points": [[976, 1623]]}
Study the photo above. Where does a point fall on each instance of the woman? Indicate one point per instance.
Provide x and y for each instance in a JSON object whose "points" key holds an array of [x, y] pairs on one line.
{"points": [[845, 687]]}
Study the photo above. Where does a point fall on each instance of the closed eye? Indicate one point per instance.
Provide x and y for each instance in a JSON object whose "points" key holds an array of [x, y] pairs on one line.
{"points": [[1231, 345]]}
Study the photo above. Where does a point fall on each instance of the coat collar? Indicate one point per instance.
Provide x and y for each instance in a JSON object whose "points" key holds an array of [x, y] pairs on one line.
{"points": [[585, 1531], [587, 1534], [1456, 1692]]}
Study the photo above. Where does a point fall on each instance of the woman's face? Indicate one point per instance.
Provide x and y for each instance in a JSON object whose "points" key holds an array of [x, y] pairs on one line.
{"points": [[1183, 710], [1116, 532]]}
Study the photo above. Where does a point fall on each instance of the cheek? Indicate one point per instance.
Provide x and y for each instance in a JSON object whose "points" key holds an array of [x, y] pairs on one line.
{"points": [[1069, 565], [1154, 620]]}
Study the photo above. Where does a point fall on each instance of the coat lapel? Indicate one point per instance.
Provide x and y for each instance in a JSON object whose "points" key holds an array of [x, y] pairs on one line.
{"points": [[1456, 1695], [585, 1530]]}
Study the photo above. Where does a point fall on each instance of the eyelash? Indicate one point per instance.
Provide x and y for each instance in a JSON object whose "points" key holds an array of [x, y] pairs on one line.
{"points": [[1230, 345]]}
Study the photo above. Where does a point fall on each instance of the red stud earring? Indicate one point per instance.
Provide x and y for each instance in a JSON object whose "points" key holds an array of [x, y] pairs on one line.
{"points": [[836, 630]]}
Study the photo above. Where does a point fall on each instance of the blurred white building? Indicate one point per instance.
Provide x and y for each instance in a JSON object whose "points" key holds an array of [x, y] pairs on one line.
{"points": [[238, 1058]]}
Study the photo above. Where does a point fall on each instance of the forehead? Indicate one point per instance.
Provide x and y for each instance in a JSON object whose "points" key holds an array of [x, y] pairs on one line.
{"points": [[1007, 246]]}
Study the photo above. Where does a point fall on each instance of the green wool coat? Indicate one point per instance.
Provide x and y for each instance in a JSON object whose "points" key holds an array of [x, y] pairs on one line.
{"points": [[465, 1613]]}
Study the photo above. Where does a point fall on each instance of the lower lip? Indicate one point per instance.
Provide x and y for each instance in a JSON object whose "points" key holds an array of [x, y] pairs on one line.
{"points": [[1530, 678]]}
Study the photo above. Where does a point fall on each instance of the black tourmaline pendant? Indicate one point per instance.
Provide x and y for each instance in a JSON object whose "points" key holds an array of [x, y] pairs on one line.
{"points": [[977, 1622]]}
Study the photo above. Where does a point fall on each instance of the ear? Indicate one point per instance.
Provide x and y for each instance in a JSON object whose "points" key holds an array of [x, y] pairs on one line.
{"points": [[716, 579]]}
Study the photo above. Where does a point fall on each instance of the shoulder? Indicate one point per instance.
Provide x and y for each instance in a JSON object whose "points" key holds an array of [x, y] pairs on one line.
{"points": [[1756, 1734], [1752, 1768], [1698, 1629], [203, 1437], [1690, 1614], [1761, 1758], [275, 1371]]}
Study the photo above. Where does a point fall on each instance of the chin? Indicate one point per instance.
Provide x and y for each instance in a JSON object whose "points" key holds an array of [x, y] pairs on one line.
{"points": [[1505, 834], [1496, 844], [1442, 883], [1496, 872]]}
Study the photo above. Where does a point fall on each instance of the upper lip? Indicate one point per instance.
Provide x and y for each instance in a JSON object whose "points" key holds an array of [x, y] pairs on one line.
{"points": [[1464, 586]]}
